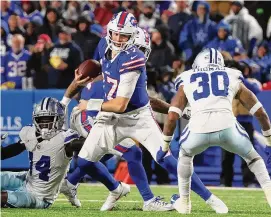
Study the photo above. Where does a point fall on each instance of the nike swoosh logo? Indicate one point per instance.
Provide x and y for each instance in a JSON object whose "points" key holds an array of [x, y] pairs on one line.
{"points": [[133, 57]]}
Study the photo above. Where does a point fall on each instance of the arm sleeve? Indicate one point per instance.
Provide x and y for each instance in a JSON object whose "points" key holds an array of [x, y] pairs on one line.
{"points": [[127, 84], [12, 150]]}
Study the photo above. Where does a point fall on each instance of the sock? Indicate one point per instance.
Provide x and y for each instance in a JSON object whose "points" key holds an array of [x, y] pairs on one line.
{"points": [[261, 173], [137, 172], [170, 164], [76, 175], [185, 171], [99, 172]]}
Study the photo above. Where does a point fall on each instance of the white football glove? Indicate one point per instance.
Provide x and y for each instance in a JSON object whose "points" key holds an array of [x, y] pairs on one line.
{"points": [[187, 113], [3, 137]]}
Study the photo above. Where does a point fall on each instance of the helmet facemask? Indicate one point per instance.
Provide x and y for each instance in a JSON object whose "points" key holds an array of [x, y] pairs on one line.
{"points": [[48, 118], [145, 50], [119, 46]]}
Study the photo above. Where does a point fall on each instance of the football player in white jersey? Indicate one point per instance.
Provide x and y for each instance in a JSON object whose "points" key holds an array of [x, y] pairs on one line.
{"points": [[209, 87], [50, 151]]}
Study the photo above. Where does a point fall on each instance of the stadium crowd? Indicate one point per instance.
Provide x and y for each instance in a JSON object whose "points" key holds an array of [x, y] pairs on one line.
{"points": [[43, 42]]}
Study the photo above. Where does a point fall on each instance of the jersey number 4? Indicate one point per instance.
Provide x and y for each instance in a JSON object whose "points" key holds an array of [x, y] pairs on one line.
{"points": [[219, 84], [43, 166]]}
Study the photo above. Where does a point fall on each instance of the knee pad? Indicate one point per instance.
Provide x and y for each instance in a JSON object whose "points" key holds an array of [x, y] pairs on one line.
{"points": [[134, 154], [252, 157]]}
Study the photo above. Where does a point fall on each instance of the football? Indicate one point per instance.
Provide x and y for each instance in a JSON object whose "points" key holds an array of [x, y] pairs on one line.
{"points": [[90, 68]]}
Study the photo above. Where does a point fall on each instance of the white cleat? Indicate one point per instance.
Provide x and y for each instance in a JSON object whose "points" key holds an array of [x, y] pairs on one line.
{"points": [[217, 205], [267, 192], [183, 205], [70, 191], [158, 205], [122, 190]]}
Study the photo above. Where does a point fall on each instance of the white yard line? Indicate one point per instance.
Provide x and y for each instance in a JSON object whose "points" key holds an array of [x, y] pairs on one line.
{"points": [[175, 186]]}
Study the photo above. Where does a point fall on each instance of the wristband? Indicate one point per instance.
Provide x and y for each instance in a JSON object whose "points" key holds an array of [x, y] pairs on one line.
{"points": [[65, 100], [176, 110], [167, 138], [95, 104], [255, 108], [267, 132]]}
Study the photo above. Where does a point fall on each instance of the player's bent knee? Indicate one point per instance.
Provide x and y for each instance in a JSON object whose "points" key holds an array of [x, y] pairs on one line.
{"points": [[134, 154], [252, 157]]}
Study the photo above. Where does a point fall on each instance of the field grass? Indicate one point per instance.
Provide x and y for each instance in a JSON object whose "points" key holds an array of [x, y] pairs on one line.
{"points": [[240, 202]]}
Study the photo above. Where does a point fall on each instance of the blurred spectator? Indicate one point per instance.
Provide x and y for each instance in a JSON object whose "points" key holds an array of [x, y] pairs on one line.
{"points": [[225, 42], [5, 10], [166, 87], [163, 52], [103, 13], [72, 13], [177, 21], [51, 24], [197, 33], [86, 40], [43, 7], [38, 66], [149, 20], [244, 26], [15, 64], [31, 35], [268, 30], [14, 26], [30, 13], [263, 59], [65, 57], [246, 121], [4, 39], [58, 5]]}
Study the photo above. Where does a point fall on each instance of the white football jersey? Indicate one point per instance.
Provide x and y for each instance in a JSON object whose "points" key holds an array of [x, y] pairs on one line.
{"points": [[48, 162], [210, 93]]}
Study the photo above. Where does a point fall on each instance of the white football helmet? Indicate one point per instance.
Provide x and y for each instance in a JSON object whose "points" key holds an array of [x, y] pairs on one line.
{"points": [[209, 56], [123, 23], [143, 42]]}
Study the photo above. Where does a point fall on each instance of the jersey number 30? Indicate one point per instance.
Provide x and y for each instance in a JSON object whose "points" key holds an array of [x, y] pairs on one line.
{"points": [[43, 166], [206, 85]]}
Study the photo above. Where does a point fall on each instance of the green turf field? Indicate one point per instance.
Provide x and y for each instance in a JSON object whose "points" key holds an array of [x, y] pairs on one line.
{"points": [[240, 203]]}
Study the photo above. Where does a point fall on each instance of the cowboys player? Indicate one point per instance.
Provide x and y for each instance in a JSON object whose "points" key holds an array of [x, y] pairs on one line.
{"points": [[209, 88], [50, 150]]}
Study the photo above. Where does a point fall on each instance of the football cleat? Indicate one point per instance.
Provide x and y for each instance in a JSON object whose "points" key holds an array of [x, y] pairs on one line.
{"points": [[217, 205], [122, 190], [158, 205], [267, 192], [183, 205], [70, 191]]}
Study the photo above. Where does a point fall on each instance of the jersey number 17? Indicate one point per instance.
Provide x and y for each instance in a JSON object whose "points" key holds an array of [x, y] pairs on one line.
{"points": [[205, 84]]}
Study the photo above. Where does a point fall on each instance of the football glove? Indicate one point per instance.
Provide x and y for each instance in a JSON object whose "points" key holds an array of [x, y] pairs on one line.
{"points": [[3, 137]]}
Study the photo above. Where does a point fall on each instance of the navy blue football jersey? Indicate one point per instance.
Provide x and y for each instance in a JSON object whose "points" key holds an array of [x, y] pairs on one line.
{"points": [[93, 91], [14, 67], [129, 60]]}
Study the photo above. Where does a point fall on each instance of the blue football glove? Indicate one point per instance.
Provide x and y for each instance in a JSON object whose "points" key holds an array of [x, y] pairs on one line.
{"points": [[160, 155]]}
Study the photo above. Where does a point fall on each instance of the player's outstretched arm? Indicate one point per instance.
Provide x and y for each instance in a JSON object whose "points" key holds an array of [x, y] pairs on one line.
{"points": [[177, 106], [251, 103], [159, 105], [118, 104], [12, 150]]}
